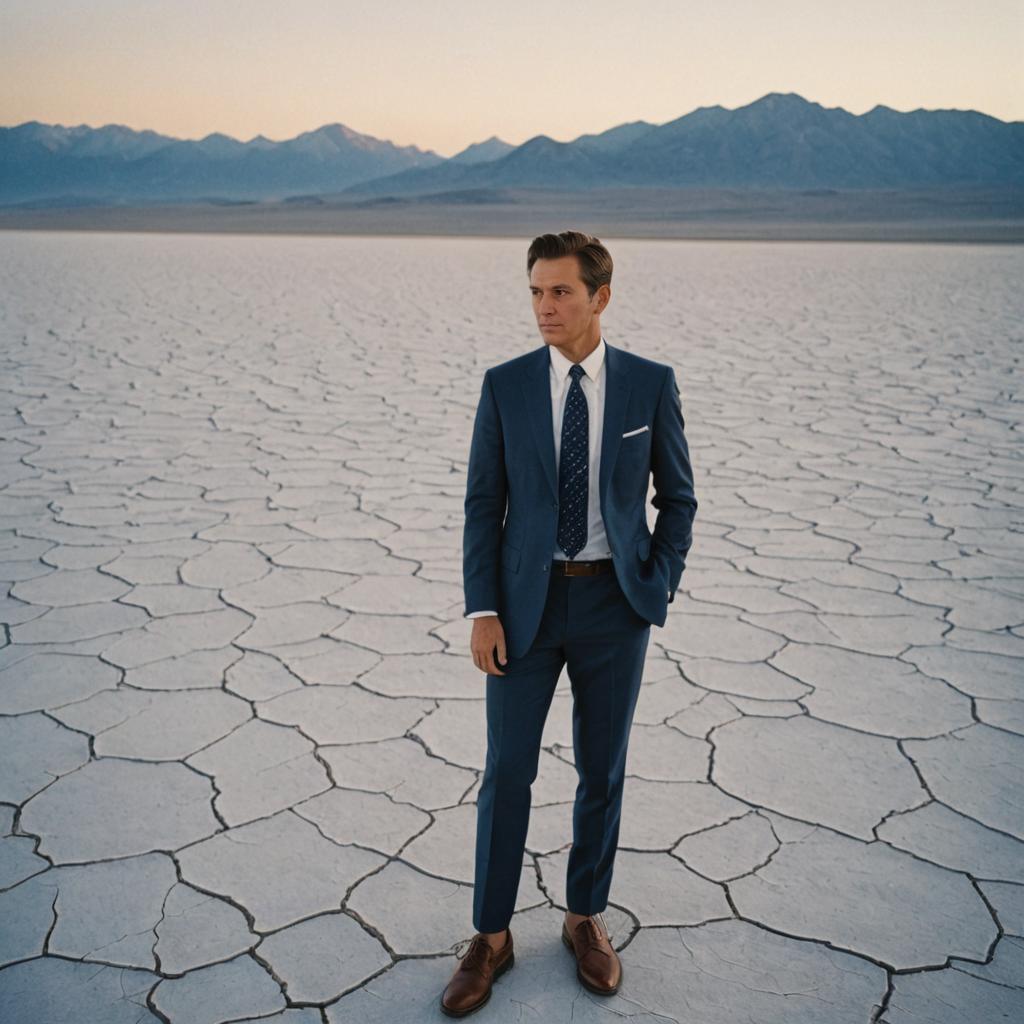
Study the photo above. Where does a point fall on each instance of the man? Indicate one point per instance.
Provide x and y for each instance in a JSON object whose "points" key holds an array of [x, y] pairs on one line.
{"points": [[560, 569]]}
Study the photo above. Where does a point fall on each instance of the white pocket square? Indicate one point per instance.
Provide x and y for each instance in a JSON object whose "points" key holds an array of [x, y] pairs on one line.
{"points": [[639, 430]]}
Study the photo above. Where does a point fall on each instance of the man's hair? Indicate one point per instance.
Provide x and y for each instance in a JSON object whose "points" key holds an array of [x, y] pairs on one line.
{"points": [[594, 260]]}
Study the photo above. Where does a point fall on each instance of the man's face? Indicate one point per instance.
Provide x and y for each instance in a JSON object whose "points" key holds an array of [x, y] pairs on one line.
{"points": [[565, 312]]}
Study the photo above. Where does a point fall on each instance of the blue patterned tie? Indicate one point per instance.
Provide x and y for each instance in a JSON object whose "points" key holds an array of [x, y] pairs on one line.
{"points": [[573, 468]]}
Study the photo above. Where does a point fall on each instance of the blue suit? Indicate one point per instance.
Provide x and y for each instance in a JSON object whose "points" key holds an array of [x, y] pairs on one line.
{"points": [[597, 625]]}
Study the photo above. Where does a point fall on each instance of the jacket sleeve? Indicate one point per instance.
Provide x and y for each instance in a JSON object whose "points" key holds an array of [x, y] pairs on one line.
{"points": [[486, 499], [673, 484]]}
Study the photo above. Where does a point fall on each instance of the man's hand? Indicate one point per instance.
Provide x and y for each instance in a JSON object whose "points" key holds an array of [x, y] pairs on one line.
{"points": [[488, 634]]}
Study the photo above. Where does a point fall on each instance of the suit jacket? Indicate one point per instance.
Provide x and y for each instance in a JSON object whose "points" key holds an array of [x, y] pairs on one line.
{"points": [[511, 501]]}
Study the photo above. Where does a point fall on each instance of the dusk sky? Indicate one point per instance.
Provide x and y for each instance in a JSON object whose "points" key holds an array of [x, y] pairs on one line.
{"points": [[441, 74]]}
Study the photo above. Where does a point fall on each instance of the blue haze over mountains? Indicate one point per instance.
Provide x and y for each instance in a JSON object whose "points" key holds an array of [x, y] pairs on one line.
{"points": [[780, 141]]}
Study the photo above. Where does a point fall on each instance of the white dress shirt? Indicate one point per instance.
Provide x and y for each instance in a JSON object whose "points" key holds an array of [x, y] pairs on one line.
{"points": [[593, 383]]}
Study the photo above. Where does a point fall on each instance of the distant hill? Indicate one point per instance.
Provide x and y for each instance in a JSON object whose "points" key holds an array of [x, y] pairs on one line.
{"points": [[780, 141], [480, 152], [40, 161]]}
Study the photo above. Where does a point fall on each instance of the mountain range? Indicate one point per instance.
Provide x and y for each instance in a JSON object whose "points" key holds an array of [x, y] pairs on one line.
{"points": [[779, 141]]}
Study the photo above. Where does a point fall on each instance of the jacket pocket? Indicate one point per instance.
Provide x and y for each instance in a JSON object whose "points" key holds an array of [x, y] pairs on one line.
{"points": [[510, 557]]}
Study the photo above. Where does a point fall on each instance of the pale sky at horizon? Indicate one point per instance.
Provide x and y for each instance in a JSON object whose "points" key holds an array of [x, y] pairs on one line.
{"points": [[441, 74]]}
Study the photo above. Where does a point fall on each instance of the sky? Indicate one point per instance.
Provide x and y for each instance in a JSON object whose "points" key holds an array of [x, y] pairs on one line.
{"points": [[441, 74]]}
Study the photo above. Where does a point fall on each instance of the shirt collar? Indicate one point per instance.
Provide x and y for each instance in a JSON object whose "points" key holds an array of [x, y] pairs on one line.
{"points": [[591, 365]]}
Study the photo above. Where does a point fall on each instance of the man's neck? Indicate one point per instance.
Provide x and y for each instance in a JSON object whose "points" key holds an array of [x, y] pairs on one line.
{"points": [[578, 350]]}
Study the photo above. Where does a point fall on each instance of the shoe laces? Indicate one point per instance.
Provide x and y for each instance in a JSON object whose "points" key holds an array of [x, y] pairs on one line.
{"points": [[474, 952], [595, 937]]}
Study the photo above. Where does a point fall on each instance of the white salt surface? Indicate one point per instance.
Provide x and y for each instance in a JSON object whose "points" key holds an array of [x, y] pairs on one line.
{"points": [[240, 733]]}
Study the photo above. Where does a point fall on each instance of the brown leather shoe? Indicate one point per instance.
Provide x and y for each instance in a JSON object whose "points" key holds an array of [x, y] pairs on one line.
{"points": [[597, 964], [470, 985]]}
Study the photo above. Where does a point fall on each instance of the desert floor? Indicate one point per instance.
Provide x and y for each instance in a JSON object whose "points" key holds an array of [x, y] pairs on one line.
{"points": [[240, 731]]}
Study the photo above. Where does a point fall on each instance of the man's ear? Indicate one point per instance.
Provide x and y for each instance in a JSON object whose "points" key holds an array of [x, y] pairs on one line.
{"points": [[604, 296]]}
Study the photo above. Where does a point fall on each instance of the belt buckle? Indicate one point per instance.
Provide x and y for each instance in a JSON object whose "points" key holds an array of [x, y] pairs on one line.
{"points": [[582, 568]]}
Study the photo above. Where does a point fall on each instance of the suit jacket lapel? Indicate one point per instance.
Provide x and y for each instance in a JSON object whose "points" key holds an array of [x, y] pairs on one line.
{"points": [[617, 388], [537, 393]]}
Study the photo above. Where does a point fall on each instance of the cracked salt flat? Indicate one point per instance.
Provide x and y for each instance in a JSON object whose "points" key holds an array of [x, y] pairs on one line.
{"points": [[240, 732]]}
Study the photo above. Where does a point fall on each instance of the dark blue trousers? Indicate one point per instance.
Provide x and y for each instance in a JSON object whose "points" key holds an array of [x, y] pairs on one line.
{"points": [[588, 625]]}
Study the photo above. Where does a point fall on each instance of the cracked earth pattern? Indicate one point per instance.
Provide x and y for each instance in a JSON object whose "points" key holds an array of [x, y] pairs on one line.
{"points": [[240, 731]]}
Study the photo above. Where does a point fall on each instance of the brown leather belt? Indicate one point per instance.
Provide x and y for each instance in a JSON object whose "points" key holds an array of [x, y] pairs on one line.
{"points": [[564, 567]]}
